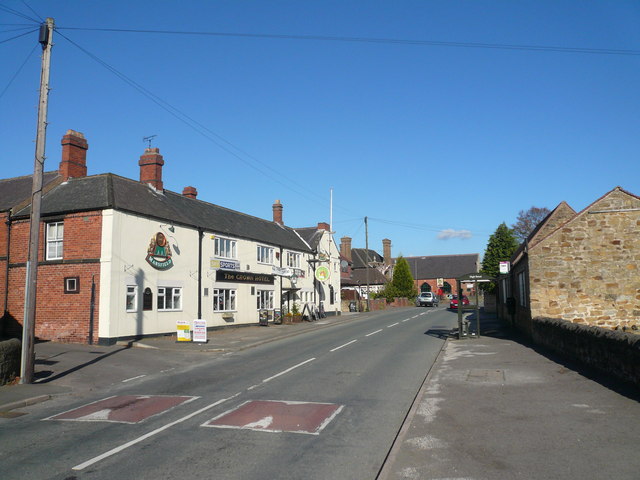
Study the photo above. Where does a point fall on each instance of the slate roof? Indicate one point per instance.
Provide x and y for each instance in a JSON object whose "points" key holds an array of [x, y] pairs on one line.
{"points": [[107, 191], [443, 266], [359, 257], [359, 277], [14, 191], [311, 235]]}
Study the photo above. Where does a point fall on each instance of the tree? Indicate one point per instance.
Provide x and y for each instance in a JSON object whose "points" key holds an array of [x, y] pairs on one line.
{"points": [[501, 246], [527, 221], [401, 284]]}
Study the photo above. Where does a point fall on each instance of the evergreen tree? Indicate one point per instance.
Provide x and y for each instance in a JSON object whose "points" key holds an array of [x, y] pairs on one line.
{"points": [[402, 284], [501, 246]]}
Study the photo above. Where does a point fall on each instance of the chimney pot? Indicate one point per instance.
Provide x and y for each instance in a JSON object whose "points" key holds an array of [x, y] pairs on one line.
{"points": [[190, 192], [345, 248], [151, 163], [277, 212], [386, 251], [74, 155]]}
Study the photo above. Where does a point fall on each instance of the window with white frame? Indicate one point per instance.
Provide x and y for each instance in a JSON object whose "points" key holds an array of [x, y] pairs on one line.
{"points": [[293, 260], [265, 254], [55, 234], [132, 298], [169, 298], [265, 299], [224, 247], [224, 299], [522, 292]]}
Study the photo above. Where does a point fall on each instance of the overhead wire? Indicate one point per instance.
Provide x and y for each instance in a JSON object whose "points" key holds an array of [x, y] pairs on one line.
{"points": [[34, 12], [17, 13], [198, 127], [392, 41], [19, 70], [18, 36]]}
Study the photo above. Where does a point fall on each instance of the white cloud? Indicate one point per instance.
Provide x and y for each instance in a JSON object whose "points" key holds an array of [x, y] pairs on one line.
{"points": [[450, 233]]}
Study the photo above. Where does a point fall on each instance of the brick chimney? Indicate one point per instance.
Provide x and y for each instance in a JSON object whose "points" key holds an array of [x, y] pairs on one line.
{"points": [[74, 155], [151, 163], [190, 192], [345, 248], [323, 226], [386, 251], [277, 212]]}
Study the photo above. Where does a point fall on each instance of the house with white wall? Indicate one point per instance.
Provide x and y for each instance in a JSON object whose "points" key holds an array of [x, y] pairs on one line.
{"points": [[122, 258]]}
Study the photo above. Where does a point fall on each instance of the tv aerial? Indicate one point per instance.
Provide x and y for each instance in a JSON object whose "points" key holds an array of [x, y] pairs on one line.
{"points": [[148, 139]]}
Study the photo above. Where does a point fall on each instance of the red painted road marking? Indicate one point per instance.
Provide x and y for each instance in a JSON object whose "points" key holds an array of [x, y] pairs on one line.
{"points": [[278, 416], [123, 409]]}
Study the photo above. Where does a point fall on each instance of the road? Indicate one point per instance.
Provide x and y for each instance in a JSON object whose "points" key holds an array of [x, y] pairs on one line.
{"points": [[326, 404]]}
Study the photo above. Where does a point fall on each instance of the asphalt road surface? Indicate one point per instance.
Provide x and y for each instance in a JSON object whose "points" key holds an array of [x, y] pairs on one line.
{"points": [[324, 404]]}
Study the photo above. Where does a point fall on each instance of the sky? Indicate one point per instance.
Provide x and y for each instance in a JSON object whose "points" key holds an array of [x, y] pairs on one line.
{"points": [[435, 120]]}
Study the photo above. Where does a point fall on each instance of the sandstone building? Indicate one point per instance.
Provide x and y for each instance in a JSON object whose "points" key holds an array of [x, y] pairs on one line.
{"points": [[579, 267]]}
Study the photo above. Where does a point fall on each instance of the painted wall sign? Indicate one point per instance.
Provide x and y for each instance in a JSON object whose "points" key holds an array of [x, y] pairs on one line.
{"points": [[322, 274], [159, 252], [244, 277], [225, 264]]}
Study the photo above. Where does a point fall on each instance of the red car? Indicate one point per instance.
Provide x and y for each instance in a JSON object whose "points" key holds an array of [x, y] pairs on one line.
{"points": [[454, 302]]}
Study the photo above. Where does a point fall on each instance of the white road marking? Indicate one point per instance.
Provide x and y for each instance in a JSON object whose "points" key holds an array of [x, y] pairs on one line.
{"points": [[393, 325], [288, 370], [338, 348], [124, 446], [373, 333], [133, 378]]}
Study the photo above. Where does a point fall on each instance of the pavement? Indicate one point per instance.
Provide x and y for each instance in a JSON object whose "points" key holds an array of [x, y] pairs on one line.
{"points": [[491, 407]]}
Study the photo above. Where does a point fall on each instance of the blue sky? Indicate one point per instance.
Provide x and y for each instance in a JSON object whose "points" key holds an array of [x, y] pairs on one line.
{"points": [[436, 144]]}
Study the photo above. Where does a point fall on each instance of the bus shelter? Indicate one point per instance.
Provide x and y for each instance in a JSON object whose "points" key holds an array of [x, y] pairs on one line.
{"points": [[463, 326]]}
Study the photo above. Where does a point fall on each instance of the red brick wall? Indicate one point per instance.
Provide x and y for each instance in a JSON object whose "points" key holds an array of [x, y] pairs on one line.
{"points": [[3, 262], [62, 317]]}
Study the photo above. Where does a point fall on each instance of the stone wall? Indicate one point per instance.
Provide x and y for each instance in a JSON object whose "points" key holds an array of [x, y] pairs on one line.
{"points": [[10, 351], [587, 271], [611, 352]]}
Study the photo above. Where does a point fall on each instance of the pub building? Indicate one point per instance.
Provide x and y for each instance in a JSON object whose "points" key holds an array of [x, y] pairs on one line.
{"points": [[122, 259]]}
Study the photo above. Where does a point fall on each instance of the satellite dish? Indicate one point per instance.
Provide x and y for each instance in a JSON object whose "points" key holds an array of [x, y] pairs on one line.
{"points": [[344, 264]]}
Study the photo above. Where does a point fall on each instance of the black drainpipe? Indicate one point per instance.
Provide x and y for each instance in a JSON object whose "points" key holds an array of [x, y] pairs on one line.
{"points": [[92, 306]]}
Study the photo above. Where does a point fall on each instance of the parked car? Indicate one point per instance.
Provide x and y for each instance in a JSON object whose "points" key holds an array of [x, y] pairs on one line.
{"points": [[427, 299], [453, 304]]}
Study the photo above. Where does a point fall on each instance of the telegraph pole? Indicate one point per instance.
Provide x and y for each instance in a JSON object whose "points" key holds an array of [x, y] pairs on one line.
{"points": [[29, 322], [366, 256]]}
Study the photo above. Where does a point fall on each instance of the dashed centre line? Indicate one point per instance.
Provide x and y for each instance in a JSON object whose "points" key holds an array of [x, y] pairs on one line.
{"points": [[287, 370], [393, 325], [341, 346], [373, 333]]}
